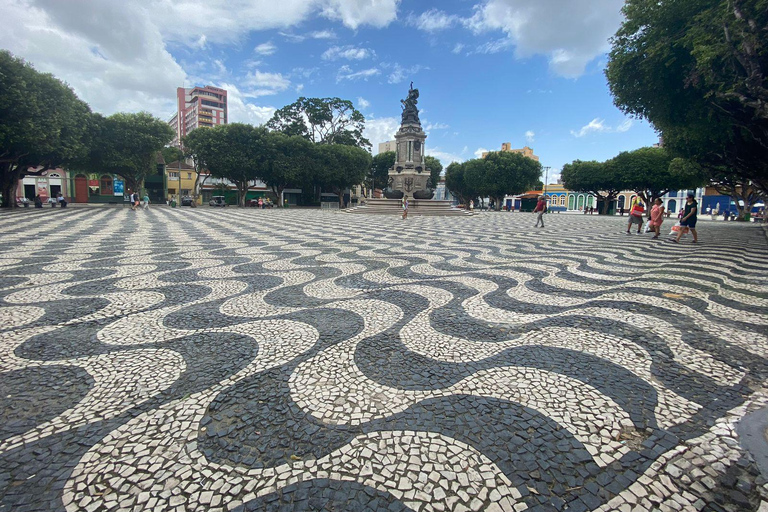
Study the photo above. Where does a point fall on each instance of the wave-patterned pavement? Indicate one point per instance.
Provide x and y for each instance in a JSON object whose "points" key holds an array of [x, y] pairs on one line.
{"points": [[200, 359]]}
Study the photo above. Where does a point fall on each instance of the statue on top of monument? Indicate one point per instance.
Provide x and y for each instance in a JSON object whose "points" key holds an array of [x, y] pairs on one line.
{"points": [[410, 111]]}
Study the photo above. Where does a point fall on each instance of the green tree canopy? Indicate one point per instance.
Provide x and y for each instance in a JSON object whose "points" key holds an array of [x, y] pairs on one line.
{"points": [[648, 172], [322, 120], [696, 70], [597, 178], [237, 152], [435, 168], [464, 180], [505, 173], [127, 145], [380, 167], [342, 167], [294, 158], [172, 153], [42, 123]]}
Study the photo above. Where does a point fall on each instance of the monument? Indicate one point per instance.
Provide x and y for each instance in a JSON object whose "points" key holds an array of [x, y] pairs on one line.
{"points": [[410, 176]]}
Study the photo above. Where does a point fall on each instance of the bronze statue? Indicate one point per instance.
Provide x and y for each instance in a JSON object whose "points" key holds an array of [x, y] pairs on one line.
{"points": [[410, 111]]}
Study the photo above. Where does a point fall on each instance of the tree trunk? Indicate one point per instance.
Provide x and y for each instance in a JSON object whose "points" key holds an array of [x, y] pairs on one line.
{"points": [[8, 184]]}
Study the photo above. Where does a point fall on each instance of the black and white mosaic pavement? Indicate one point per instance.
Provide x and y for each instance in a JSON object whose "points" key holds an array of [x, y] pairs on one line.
{"points": [[179, 359]]}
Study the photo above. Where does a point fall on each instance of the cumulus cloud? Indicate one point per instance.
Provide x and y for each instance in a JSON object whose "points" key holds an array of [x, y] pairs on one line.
{"points": [[435, 126], [107, 68], [347, 52], [570, 34], [598, 126], [432, 20], [379, 130], [264, 84], [241, 111], [354, 13], [346, 73], [267, 48], [363, 103], [530, 137], [479, 152], [445, 157]]}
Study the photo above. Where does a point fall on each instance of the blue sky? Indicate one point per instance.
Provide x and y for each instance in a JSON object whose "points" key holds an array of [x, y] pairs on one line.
{"points": [[529, 72]]}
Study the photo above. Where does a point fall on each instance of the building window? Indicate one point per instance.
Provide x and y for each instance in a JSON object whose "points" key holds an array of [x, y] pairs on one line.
{"points": [[106, 185], [189, 175], [174, 175]]}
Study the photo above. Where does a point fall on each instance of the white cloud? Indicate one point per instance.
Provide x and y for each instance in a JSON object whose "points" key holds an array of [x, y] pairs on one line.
{"points": [[229, 20], [346, 73], [530, 137], [435, 126], [458, 48], [379, 130], [323, 34], [267, 48], [354, 13], [264, 84], [445, 157], [347, 52], [479, 152], [108, 68], [598, 126], [241, 111], [624, 126], [595, 125], [363, 103], [432, 20], [399, 73], [571, 34]]}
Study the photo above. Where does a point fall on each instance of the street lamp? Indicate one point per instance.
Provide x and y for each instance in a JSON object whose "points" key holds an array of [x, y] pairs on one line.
{"points": [[546, 179]]}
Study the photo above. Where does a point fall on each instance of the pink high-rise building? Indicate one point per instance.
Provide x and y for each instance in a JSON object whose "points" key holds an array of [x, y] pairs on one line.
{"points": [[198, 107]]}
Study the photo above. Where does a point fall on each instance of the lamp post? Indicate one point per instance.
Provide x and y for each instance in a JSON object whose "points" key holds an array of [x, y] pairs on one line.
{"points": [[546, 179]]}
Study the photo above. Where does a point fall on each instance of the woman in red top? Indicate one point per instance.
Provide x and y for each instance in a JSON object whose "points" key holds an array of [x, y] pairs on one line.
{"points": [[636, 216]]}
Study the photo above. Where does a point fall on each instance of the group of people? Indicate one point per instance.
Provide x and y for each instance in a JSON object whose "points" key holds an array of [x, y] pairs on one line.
{"points": [[53, 201], [136, 201], [688, 218]]}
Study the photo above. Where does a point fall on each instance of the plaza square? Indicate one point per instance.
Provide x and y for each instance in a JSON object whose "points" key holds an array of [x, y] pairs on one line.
{"points": [[244, 359]]}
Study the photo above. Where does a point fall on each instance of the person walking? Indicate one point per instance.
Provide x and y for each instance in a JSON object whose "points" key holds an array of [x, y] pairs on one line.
{"points": [[688, 221], [145, 199], [636, 216], [38, 201], [404, 203], [657, 217], [541, 208]]}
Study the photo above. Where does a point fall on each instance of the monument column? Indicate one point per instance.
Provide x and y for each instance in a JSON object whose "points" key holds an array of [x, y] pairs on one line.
{"points": [[409, 176]]}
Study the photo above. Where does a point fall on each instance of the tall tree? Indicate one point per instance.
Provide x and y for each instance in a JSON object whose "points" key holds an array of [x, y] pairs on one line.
{"points": [[696, 69], [197, 145], [238, 152], [435, 169], [597, 178], [42, 124], [648, 172], [508, 173], [380, 167], [322, 120], [172, 154], [127, 145], [343, 167], [462, 186], [294, 158]]}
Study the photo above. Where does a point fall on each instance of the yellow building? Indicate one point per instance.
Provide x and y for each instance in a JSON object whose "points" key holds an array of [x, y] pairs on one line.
{"points": [[525, 151], [181, 180]]}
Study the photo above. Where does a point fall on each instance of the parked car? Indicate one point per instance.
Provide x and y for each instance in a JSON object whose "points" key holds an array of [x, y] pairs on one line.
{"points": [[187, 201], [218, 201]]}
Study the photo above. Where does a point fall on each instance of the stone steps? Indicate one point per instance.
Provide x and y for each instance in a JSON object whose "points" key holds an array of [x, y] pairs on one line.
{"points": [[416, 207]]}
